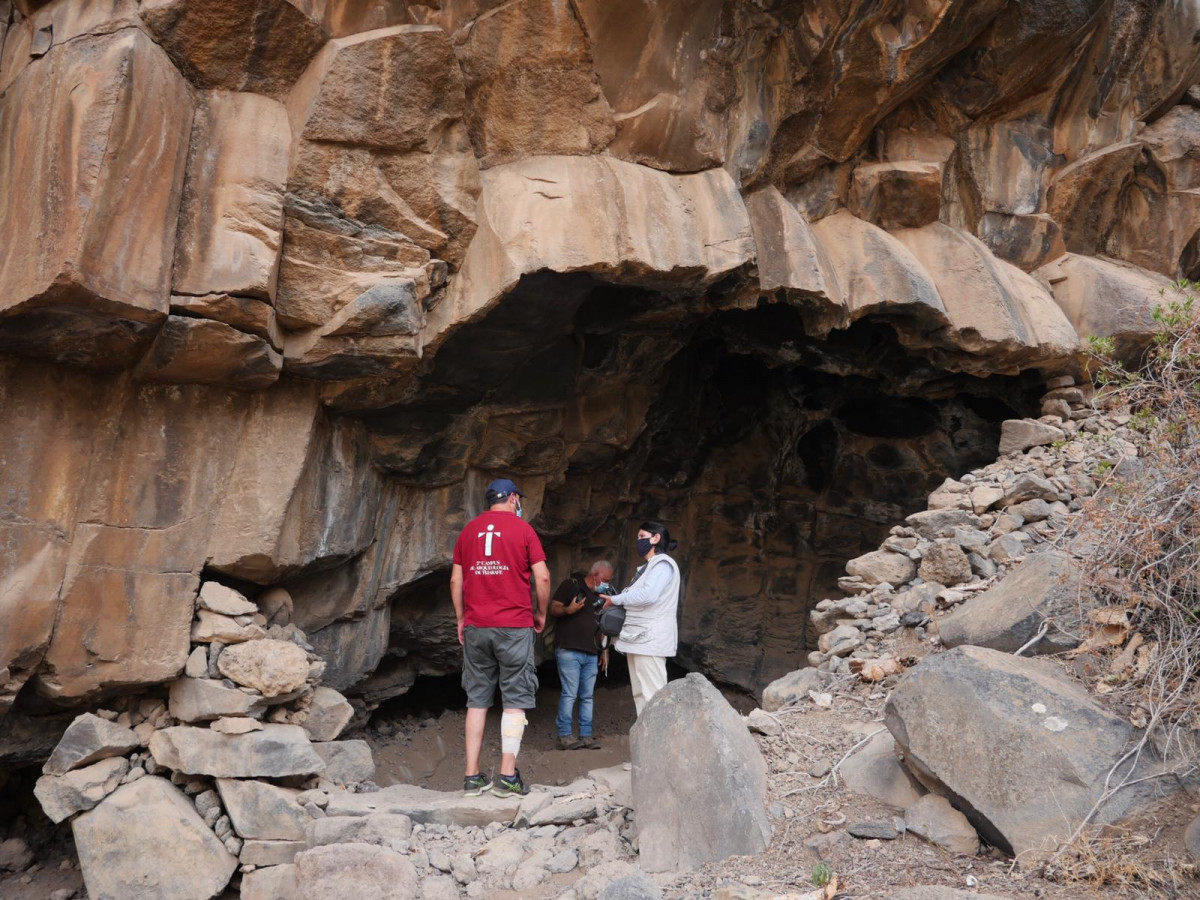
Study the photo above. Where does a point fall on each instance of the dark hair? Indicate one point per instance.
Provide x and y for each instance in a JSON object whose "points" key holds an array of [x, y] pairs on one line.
{"points": [[665, 544]]}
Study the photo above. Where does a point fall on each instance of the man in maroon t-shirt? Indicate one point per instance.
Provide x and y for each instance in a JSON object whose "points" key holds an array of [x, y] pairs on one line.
{"points": [[494, 559]]}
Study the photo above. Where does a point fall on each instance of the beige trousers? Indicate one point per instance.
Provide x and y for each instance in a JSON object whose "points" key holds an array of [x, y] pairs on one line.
{"points": [[647, 676]]}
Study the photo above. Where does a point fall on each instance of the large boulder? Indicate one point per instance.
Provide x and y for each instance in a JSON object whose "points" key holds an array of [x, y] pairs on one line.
{"points": [[1021, 750], [719, 809], [362, 871], [87, 225], [277, 751], [1042, 589], [147, 840]]}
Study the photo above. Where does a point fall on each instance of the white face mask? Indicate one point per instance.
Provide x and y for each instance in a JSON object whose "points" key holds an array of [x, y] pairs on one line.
{"points": [[520, 512]]}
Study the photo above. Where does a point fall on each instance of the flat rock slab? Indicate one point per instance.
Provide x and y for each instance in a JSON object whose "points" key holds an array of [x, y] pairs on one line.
{"points": [[202, 699], [275, 752], [147, 840], [424, 806], [88, 739], [381, 829], [260, 811], [62, 796]]}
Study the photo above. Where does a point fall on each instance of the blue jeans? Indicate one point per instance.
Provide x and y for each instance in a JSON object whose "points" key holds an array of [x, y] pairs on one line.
{"points": [[577, 671]]}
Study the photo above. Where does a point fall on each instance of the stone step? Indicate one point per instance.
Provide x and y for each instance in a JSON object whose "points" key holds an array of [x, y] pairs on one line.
{"points": [[425, 806]]}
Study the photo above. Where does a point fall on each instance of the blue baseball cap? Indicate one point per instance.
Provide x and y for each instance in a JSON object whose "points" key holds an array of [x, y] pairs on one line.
{"points": [[502, 487]]}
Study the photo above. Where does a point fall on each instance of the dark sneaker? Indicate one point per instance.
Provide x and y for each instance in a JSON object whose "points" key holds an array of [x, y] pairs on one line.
{"points": [[474, 785], [587, 743], [567, 742], [507, 786]]}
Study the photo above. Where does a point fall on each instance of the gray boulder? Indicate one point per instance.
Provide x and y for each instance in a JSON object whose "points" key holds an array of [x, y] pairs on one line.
{"points": [[202, 699], [879, 566], [328, 713], [1021, 434], [1013, 744], [262, 811], [381, 829], [1044, 586], [88, 739], [632, 887], [718, 810], [271, 883], [147, 840], [875, 770], [347, 762], [933, 818], [792, 688], [275, 752]]}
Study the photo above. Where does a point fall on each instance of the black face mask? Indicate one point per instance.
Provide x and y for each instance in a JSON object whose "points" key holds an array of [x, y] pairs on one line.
{"points": [[643, 546]]}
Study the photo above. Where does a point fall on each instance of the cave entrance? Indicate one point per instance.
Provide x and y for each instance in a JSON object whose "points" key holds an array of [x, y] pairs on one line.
{"points": [[773, 455]]}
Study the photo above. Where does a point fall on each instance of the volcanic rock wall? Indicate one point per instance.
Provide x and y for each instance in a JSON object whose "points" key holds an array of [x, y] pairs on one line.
{"points": [[283, 284]]}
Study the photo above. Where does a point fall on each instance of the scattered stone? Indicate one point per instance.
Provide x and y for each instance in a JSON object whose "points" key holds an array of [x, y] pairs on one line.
{"points": [[328, 714], [359, 871], [933, 818], [87, 739], [347, 762], [202, 699], [236, 725], [269, 666], [275, 752], [197, 663], [720, 809], [882, 565], [210, 626], [438, 887], [879, 831], [224, 600], [1021, 434], [591, 885], [62, 796], [112, 842], [15, 855], [632, 887], [565, 810], [760, 722], [563, 862], [945, 563]]}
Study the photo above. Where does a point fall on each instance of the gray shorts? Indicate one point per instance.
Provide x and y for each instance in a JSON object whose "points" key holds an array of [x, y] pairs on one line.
{"points": [[499, 656]]}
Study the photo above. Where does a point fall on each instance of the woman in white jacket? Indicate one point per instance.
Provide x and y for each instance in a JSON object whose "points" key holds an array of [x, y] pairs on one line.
{"points": [[650, 634]]}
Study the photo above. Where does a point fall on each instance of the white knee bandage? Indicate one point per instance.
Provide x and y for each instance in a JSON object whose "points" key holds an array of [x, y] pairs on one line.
{"points": [[512, 727]]}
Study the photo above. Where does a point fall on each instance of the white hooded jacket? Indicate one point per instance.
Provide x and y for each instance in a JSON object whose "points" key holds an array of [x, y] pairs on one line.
{"points": [[650, 605]]}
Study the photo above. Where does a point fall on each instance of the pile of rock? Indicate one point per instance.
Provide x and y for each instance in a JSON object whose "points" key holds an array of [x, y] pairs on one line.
{"points": [[225, 771], [976, 530]]}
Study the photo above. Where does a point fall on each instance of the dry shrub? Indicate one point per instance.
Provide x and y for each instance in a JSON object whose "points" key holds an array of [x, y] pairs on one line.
{"points": [[1122, 860], [1140, 535]]}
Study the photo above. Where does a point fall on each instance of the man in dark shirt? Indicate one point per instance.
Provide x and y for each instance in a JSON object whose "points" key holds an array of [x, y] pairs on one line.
{"points": [[574, 607]]}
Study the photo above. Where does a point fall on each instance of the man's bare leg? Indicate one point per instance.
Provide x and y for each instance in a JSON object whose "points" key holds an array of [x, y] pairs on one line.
{"points": [[476, 720]]}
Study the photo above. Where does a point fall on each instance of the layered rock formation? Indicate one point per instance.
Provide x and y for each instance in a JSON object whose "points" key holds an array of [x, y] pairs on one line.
{"points": [[284, 284]]}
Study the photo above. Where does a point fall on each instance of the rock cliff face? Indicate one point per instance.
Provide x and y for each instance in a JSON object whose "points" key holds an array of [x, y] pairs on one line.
{"points": [[283, 284]]}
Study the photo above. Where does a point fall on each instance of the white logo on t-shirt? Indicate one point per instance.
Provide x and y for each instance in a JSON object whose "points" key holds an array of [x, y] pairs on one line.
{"points": [[487, 536]]}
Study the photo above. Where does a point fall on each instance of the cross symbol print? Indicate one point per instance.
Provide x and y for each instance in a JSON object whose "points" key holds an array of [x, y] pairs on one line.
{"points": [[487, 536]]}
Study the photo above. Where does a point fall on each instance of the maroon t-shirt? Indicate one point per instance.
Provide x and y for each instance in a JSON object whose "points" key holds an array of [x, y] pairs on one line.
{"points": [[497, 552]]}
